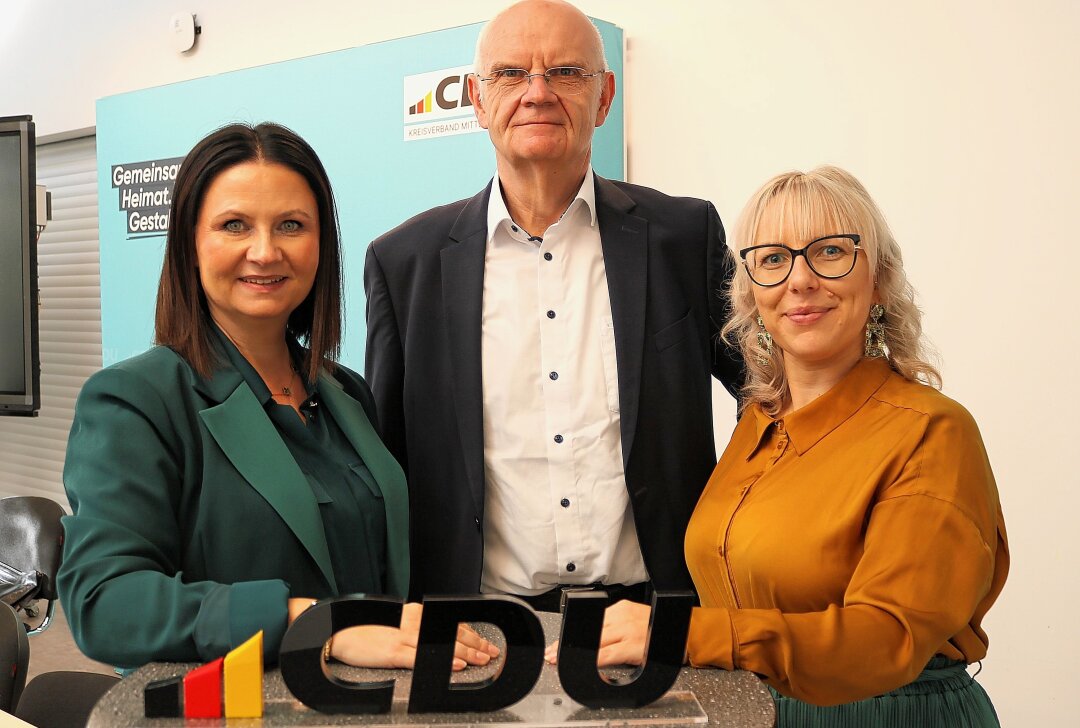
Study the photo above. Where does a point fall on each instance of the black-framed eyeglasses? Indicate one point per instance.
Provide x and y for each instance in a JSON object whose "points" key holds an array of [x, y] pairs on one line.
{"points": [[832, 256], [562, 80]]}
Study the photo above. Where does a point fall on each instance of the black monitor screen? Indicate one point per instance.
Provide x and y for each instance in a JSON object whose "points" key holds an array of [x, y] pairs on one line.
{"points": [[12, 367], [19, 386]]}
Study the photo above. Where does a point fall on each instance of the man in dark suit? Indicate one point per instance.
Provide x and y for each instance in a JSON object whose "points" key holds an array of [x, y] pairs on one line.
{"points": [[540, 353]]}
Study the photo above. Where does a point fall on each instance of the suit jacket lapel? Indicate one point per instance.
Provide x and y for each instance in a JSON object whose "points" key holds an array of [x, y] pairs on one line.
{"points": [[245, 434], [353, 421], [463, 296], [624, 239]]}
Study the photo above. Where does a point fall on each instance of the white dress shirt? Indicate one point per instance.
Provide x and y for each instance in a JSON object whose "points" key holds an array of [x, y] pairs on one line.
{"points": [[556, 506]]}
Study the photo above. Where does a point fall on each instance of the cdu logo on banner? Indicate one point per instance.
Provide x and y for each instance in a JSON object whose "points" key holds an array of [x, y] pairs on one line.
{"points": [[436, 104]]}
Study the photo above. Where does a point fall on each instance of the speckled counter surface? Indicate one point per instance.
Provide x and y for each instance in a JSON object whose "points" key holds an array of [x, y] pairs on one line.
{"points": [[731, 699]]}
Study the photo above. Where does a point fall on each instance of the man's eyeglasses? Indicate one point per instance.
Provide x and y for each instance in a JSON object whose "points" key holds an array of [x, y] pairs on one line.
{"points": [[562, 80], [832, 256]]}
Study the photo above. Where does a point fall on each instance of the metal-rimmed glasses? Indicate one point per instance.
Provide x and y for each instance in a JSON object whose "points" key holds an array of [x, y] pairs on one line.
{"points": [[562, 80], [831, 256]]}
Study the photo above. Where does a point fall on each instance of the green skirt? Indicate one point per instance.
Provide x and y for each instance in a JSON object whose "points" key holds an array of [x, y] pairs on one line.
{"points": [[943, 696]]}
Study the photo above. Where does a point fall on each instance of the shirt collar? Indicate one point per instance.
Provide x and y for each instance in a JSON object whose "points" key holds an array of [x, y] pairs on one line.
{"points": [[807, 426], [498, 215]]}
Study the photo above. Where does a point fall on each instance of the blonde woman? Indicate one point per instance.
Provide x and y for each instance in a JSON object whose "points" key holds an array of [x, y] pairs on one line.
{"points": [[850, 540]]}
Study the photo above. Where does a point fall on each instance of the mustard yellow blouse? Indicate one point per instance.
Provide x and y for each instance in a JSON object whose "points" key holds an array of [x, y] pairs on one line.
{"points": [[838, 549]]}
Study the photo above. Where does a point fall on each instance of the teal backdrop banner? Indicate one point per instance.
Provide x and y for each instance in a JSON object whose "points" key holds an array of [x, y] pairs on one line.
{"points": [[386, 119]]}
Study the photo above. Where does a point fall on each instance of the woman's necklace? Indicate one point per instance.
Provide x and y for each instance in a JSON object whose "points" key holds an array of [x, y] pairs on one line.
{"points": [[286, 391]]}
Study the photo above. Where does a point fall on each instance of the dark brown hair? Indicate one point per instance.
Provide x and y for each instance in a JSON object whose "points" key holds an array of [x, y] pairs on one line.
{"points": [[182, 320]]}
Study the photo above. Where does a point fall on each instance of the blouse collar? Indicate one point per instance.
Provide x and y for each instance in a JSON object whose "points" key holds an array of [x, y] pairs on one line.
{"points": [[808, 425]]}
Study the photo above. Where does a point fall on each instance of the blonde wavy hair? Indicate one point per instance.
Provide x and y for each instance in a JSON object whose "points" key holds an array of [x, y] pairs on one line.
{"points": [[824, 201]]}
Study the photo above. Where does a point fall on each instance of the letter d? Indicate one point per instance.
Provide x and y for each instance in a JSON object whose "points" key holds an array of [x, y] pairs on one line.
{"points": [[523, 658]]}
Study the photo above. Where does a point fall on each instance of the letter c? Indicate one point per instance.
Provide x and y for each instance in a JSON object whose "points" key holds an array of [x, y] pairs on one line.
{"points": [[305, 672], [440, 93]]}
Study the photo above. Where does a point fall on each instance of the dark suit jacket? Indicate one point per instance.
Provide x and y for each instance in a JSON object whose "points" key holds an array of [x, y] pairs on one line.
{"points": [[666, 264], [192, 521]]}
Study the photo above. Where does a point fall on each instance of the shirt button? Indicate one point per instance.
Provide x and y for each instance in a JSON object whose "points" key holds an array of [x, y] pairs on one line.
{"points": [[779, 446], [551, 314], [547, 256], [565, 503], [571, 566], [779, 425], [554, 376], [558, 438]]}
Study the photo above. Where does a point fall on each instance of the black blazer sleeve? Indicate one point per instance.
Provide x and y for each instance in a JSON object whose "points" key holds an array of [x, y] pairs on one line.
{"points": [[727, 363], [384, 366]]}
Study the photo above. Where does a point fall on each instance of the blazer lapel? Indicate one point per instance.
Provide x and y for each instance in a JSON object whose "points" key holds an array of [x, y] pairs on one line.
{"points": [[353, 421], [624, 239], [463, 296], [245, 434]]}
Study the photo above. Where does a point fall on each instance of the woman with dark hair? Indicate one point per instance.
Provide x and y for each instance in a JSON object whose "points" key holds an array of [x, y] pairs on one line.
{"points": [[231, 475], [850, 540]]}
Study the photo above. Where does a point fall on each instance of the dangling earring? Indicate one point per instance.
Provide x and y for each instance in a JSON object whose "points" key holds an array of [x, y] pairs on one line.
{"points": [[876, 345], [764, 340]]}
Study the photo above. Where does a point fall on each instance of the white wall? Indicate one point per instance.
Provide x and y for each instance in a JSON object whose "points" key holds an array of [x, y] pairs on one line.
{"points": [[960, 117]]}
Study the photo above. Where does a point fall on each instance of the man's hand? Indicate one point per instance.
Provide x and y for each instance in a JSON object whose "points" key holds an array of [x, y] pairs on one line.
{"points": [[622, 641]]}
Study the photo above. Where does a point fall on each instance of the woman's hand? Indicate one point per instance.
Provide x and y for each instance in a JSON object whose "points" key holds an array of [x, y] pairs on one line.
{"points": [[298, 606], [622, 641], [377, 646]]}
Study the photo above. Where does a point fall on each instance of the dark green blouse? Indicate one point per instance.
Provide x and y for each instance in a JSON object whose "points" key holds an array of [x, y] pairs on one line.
{"points": [[349, 499]]}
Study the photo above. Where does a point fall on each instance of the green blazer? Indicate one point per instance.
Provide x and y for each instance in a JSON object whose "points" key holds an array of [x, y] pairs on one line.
{"points": [[192, 522]]}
